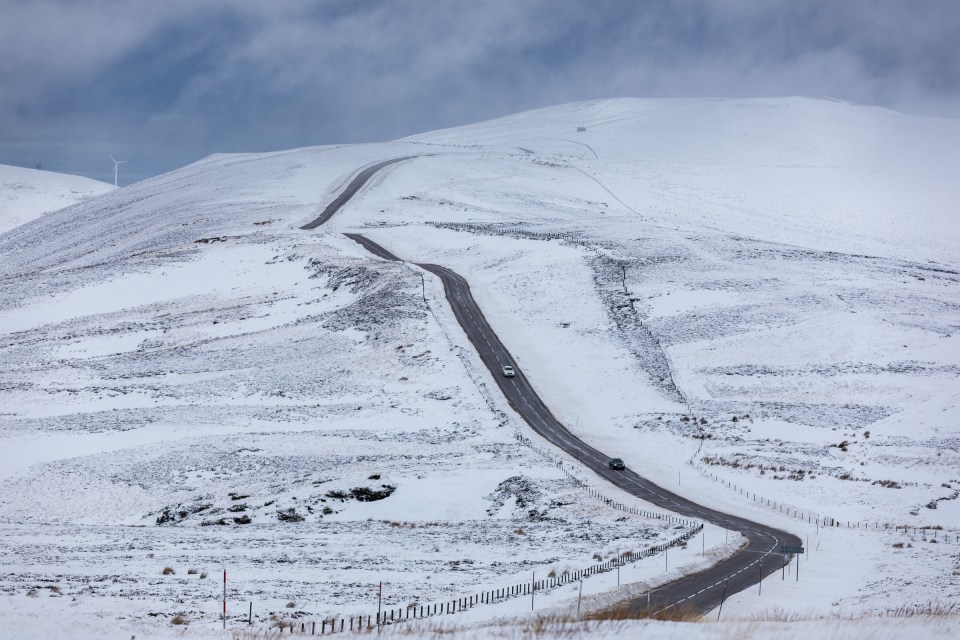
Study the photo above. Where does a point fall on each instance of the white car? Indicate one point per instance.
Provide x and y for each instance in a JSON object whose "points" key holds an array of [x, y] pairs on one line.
{"points": [[508, 371]]}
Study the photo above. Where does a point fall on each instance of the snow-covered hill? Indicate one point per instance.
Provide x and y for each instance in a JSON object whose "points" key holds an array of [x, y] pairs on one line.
{"points": [[28, 193], [724, 289]]}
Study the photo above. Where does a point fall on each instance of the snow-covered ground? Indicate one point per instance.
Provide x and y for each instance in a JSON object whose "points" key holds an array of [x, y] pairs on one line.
{"points": [[28, 193], [738, 297]]}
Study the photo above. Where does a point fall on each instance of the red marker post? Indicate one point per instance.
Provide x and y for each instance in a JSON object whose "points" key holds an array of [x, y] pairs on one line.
{"points": [[224, 598]]}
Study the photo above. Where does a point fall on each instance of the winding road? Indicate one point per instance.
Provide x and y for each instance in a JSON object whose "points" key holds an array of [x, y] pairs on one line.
{"points": [[693, 595], [351, 190]]}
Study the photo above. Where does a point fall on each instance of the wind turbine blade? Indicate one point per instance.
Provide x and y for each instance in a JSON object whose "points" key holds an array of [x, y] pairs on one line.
{"points": [[111, 157]]}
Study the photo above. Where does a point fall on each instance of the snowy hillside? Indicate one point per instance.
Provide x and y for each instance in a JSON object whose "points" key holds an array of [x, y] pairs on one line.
{"points": [[28, 193], [753, 293]]}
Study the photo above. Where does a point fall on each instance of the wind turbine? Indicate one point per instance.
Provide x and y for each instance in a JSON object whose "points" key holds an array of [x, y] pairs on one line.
{"points": [[116, 168]]}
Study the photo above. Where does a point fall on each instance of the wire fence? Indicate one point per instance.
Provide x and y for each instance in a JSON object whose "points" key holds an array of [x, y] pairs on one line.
{"points": [[936, 532], [417, 611]]}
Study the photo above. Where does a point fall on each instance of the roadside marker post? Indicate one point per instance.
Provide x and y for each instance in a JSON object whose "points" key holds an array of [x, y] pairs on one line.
{"points": [[580, 597], [722, 598]]}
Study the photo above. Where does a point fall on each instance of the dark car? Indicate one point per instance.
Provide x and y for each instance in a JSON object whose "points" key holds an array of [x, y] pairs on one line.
{"points": [[617, 464]]}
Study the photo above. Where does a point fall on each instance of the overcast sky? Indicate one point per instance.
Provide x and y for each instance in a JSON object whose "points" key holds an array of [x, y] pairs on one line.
{"points": [[162, 83]]}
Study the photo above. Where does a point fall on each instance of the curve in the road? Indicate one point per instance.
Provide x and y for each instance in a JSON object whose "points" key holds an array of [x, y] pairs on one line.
{"points": [[692, 595], [351, 190]]}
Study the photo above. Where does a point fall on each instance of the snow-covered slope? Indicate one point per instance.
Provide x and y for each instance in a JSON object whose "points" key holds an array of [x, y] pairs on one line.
{"points": [[28, 193], [813, 172], [723, 289]]}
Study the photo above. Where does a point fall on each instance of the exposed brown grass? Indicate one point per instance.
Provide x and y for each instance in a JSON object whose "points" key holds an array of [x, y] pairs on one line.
{"points": [[168, 571], [777, 615], [178, 619], [935, 609], [623, 623], [625, 612]]}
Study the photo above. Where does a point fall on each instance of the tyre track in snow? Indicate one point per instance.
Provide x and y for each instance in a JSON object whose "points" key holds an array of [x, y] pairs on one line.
{"points": [[692, 595]]}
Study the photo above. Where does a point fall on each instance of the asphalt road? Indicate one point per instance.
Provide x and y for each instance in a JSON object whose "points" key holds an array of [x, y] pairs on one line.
{"points": [[694, 595], [351, 190]]}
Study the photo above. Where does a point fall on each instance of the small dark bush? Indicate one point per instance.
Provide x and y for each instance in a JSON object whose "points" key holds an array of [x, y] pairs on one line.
{"points": [[210, 523], [366, 494], [289, 515]]}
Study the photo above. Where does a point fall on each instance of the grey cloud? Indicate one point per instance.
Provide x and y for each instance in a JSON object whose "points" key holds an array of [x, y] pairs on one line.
{"points": [[169, 82]]}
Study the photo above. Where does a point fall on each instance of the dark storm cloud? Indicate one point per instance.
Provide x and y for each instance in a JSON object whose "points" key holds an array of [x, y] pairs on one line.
{"points": [[164, 83]]}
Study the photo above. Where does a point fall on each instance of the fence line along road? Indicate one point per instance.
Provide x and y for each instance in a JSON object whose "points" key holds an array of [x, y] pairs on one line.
{"points": [[417, 611]]}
